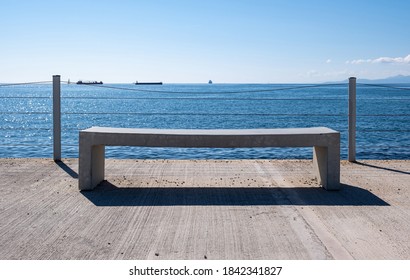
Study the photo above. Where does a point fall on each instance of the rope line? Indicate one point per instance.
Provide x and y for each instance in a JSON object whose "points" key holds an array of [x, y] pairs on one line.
{"points": [[382, 130], [383, 86], [213, 92], [203, 98], [26, 129], [170, 98], [383, 115], [26, 145], [187, 92], [26, 97], [25, 83], [75, 130], [202, 114], [26, 113], [68, 129], [200, 98], [374, 147], [364, 147]]}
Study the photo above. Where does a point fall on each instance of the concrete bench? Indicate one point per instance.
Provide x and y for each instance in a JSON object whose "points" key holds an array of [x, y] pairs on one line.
{"points": [[325, 143]]}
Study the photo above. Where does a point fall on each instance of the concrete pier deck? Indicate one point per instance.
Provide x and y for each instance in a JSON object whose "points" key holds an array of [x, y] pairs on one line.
{"points": [[204, 209]]}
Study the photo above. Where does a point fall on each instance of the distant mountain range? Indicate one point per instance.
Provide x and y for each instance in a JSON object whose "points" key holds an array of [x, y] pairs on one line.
{"points": [[399, 79]]}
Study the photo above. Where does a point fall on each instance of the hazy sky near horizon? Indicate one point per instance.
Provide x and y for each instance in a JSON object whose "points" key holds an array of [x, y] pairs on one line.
{"points": [[189, 41]]}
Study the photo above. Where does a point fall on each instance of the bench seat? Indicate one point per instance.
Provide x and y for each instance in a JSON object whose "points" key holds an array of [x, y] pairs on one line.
{"points": [[325, 143]]}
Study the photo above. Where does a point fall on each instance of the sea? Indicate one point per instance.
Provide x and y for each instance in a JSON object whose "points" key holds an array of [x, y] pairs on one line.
{"points": [[26, 120]]}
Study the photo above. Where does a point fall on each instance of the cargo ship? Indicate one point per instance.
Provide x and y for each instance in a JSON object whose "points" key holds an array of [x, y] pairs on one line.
{"points": [[148, 83], [89, 83]]}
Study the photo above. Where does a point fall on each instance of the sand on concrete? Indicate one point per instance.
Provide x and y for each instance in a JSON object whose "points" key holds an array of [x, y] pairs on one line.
{"points": [[204, 209]]}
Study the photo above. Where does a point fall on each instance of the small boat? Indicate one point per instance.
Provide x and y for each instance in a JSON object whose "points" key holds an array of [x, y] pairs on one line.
{"points": [[210, 82], [148, 83], [89, 83]]}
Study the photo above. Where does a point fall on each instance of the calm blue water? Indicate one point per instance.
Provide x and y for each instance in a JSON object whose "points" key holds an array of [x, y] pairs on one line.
{"points": [[383, 121]]}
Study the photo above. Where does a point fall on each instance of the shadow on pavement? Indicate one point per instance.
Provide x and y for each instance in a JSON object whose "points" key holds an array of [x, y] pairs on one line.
{"points": [[107, 194]]}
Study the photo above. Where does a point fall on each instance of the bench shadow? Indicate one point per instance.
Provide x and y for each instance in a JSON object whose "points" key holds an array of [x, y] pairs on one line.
{"points": [[67, 169], [107, 194]]}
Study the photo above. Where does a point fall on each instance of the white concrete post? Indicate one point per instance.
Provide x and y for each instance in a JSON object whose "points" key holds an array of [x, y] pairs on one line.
{"points": [[56, 118], [352, 120]]}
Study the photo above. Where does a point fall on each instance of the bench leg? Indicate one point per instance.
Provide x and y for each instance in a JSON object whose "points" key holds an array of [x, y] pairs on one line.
{"points": [[333, 167], [326, 164], [91, 164], [320, 165], [98, 165]]}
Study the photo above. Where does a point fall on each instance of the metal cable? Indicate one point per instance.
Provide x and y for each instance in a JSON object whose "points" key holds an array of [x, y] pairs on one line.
{"points": [[213, 92], [25, 113], [383, 86], [26, 97], [383, 115], [365, 147], [26, 83], [25, 129], [201, 98], [26, 145], [200, 114], [382, 130], [343, 98]]}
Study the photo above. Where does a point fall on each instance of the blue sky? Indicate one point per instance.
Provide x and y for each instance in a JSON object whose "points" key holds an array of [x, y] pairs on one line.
{"points": [[181, 41]]}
